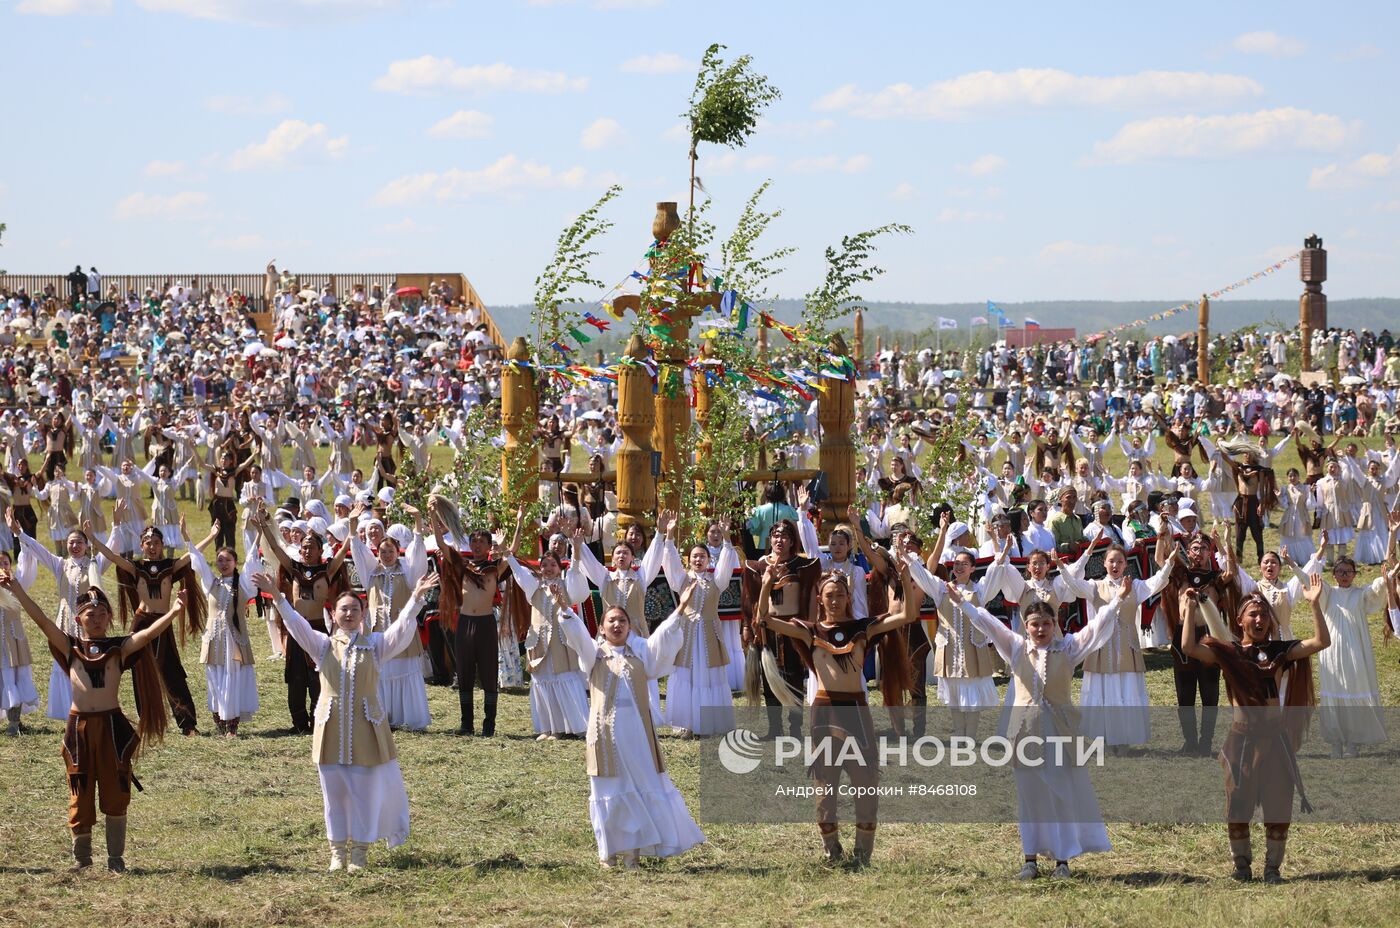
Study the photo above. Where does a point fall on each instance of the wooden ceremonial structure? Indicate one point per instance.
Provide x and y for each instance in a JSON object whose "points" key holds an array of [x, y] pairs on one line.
{"points": [[1203, 341], [1312, 305], [653, 417]]}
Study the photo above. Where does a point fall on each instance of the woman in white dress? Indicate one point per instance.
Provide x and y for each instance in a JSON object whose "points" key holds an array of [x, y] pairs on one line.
{"points": [[1114, 694], [58, 494], [1295, 525], [82, 568], [1348, 693], [17, 694], [225, 649], [698, 698], [1375, 486], [558, 700], [1280, 594], [362, 788], [1058, 813], [634, 807], [388, 578], [1338, 504]]}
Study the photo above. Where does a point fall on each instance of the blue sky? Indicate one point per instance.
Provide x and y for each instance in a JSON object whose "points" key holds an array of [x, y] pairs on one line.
{"points": [[1040, 151]]}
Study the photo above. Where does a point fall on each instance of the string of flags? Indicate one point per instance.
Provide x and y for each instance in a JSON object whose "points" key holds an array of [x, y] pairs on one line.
{"points": [[1183, 307]]}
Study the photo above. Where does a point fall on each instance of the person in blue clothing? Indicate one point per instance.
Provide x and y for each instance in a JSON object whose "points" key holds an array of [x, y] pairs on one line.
{"points": [[773, 510]]}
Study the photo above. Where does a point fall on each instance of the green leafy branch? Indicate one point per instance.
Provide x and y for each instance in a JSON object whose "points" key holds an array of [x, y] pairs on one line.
{"points": [[567, 274], [725, 104], [847, 267]]}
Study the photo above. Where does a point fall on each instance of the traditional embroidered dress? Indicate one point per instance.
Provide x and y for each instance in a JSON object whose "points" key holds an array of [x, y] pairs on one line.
{"points": [[225, 649], [62, 520], [72, 576], [1295, 526], [1338, 505], [165, 508], [1281, 596], [361, 783], [632, 803], [1348, 693], [558, 701], [16, 660], [1375, 495], [698, 697], [1114, 694], [404, 693], [1058, 813], [1069, 585], [962, 659], [628, 590]]}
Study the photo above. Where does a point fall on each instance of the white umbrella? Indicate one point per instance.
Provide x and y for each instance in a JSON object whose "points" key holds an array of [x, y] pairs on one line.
{"points": [[476, 335], [286, 341], [592, 415], [1281, 378], [20, 322], [392, 314], [251, 350], [176, 336], [1351, 380], [268, 353], [435, 348], [1169, 339], [952, 372], [309, 294]]}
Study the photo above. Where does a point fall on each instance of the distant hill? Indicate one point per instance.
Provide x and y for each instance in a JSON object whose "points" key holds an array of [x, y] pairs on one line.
{"points": [[1086, 316]]}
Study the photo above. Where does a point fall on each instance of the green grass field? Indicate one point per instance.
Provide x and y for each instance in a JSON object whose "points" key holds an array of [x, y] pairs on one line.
{"points": [[230, 833]]}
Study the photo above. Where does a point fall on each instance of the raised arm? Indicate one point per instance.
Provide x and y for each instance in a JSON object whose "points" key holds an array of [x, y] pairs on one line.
{"points": [[101, 547], [1003, 638], [1322, 632]]}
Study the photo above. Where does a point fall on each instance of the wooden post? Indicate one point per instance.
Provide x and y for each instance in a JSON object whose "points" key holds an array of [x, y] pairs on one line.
{"points": [[636, 416], [672, 399], [704, 395], [836, 413], [859, 330], [520, 419], [1203, 341], [1305, 330]]}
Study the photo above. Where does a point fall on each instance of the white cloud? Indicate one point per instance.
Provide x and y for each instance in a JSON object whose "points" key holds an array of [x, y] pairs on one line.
{"points": [[239, 105], [1363, 52], [189, 204], [430, 73], [507, 176], [405, 224], [949, 214], [164, 168], [1369, 167], [1080, 252], [990, 193], [463, 124], [662, 63], [291, 141], [828, 163], [679, 132], [269, 12], [984, 165], [968, 94], [64, 7], [600, 133], [1389, 206], [904, 191], [1268, 43], [1168, 137]]}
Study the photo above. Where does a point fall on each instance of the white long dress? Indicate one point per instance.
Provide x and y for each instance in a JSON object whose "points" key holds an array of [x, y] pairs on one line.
{"points": [[72, 577], [1348, 693], [16, 662], [362, 802], [1114, 696], [958, 647], [558, 697], [232, 684], [401, 686], [1057, 809], [636, 808], [698, 696], [1295, 526]]}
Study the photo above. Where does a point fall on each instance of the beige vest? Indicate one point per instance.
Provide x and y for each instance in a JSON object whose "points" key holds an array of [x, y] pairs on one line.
{"points": [[702, 618], [1120, 654], [626, 590], [962, 652], [1042, 693], [609, 671], [14, 644], [220, 634], [352, 727], [549, 653], [1283, 609], [387, 593]]}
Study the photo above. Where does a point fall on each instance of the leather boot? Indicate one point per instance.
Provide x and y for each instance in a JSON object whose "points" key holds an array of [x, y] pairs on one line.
{"points": [[1273, 859], [116, 843], [831, 845], [865, 844], [488, 723], [359, 856], [468, 725], [1243, 854], [82, 850], [337, 855]]}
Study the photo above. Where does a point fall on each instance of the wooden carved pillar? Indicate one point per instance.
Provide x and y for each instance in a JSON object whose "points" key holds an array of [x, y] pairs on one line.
{"points": [[704, 396], [636, 416], [672, 397], [519, 403], [1203, 341], [836, 413], [1305, 330], [858, 328]]}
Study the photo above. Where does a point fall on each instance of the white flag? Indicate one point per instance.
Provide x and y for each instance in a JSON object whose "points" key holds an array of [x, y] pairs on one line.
{"points": [[944, 323]]}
